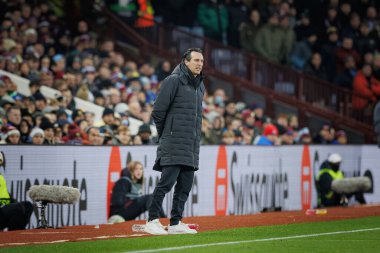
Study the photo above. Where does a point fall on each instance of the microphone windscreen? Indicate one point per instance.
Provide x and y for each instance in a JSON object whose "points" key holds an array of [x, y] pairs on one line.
{"points": [[351, 185], [54, 194]]}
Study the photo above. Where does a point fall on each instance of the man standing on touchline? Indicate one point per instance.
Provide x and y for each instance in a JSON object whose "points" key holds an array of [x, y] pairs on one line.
{"points": [[177, 113]]}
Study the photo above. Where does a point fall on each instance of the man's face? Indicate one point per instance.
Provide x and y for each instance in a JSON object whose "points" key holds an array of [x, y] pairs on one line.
{"points": [[94, 136], [196, 63], [108, 119], [144, 136], [14, 116]]}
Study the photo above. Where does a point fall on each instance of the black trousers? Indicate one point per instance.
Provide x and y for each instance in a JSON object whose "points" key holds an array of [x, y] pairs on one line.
{"points": [[134, 207], [184, 177], [15, 216]]}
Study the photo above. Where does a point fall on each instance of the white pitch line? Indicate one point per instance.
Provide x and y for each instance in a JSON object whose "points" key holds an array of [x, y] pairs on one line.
{"points": [[79, 239], [251, 241]]}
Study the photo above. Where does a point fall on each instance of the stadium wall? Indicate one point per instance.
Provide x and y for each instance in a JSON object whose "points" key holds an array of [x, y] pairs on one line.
{"points": [[232, 180]]}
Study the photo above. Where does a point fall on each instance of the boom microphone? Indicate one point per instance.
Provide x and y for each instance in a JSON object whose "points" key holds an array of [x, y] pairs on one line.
{"points": [[351, 185], [54, 194]]}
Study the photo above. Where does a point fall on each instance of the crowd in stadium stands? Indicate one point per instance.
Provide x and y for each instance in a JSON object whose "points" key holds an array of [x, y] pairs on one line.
{"points": [[35, 44], [334, 40]]}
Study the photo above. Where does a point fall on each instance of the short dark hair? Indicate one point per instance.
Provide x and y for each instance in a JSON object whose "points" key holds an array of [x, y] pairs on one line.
{"points": [[13, 107], [187, 55]]}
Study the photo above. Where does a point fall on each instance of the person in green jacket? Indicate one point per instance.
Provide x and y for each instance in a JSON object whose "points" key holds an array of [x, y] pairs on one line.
{"points": [[248, 31], [212, 15], [289, 38], [269, 41]]}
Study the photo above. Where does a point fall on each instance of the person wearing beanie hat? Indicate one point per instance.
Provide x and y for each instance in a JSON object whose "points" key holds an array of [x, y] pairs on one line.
{"points": [[269, 137], [145, 134], [12, 136], [37, 135]]}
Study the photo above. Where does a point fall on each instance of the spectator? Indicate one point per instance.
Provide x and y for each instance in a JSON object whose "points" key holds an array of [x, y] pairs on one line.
{"points": [[328, 52], [48, 129], [315, 67], [135, 109], [163, 70], [122, 136], [363, 94], [145, 134], [14, 116], [269, 8], [206, 132], [372, 17], [289, 38], [331, 19], [238, 137], [352, 30], [248, 31], [367, 41], [150, 96], [269, 137], [228, 137], [287, 138], [217, 127], [325, 136], [344, 14], [73, 134], [346, 78], [304, 29], [287, 9], [25, 128], [305, 139], [269, 42], [37, 136], [294, 122], [237, 12], [340, 138], [109, 118], [260, 117], [93, 135], [303, 51], [345, 50], [40, 101], [12, 136], [137, 140], [213, 17], [3, 91]]}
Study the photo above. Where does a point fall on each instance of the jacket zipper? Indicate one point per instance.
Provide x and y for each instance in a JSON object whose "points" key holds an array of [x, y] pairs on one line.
{"points": [[196, 119], [171, 126]]}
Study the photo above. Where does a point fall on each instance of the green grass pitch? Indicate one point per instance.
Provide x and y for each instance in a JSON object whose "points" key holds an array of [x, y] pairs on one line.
{"points": [[312, 238]]}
